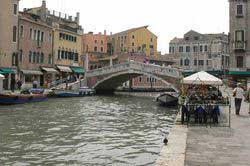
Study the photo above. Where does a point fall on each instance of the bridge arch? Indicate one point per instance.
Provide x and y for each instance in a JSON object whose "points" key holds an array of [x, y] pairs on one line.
{"points": [[110, 83]]}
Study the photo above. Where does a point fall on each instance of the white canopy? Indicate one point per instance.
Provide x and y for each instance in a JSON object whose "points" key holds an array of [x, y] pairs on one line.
{"points": [[202, 78], [1, 76]]}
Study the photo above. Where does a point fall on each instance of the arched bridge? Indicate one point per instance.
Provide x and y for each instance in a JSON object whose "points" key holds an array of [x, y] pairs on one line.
{"points": [[107, 79]]}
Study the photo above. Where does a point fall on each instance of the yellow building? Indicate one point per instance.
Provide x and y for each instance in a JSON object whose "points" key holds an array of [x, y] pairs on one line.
{"points": [[135, 40]]}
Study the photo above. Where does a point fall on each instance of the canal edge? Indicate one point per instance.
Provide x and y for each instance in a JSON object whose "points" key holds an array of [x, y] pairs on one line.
{"points": [[174, 153]]}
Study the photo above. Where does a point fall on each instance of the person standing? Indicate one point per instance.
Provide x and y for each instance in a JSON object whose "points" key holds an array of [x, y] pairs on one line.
{"points": [[13, 84], [248, 98], [238, 95], [19, 84]]}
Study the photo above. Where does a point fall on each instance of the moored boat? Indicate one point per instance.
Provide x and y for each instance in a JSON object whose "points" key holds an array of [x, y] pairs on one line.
{"points": [[168, 99], [83, 91], [9, 99]]}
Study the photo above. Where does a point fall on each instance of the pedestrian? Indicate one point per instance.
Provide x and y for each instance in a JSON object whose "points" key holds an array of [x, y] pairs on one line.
{"points": [[19, 84], [13, 84], [238, 95], [248, 98], [35, 84]]}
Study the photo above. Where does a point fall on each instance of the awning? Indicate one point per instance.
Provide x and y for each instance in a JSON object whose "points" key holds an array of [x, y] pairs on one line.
{"points": [[31, 72], [7, 71], [78, 70], [202, 78], [239, 73], [64, 69], [49, 70]]}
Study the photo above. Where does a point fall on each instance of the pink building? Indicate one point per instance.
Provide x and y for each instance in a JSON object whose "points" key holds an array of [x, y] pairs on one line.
{"points": [[35, 47]]}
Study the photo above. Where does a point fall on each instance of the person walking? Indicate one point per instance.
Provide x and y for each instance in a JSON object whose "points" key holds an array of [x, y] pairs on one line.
{"points": [[248, 98], [238, 95], [13, 84]]}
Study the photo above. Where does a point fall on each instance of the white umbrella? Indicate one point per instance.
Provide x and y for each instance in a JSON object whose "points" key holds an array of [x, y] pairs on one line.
{"points": [[202, 78]]}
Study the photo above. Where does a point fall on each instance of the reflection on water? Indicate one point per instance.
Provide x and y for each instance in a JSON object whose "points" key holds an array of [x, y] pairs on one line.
{"points": [[116, 130]]}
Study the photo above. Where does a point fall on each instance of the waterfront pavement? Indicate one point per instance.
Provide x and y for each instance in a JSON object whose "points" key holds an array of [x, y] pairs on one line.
{"points": [[205, 146]]}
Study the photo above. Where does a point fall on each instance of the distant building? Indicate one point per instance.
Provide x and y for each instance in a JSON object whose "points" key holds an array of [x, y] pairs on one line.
{"points": [[198, 52], [239, 40], [135, 40], [67, 39], [35, 49], [95, 47], [8, 40]]}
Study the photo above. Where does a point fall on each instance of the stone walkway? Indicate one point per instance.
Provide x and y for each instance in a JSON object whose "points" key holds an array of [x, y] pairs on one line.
{"points": [[220, 146]]}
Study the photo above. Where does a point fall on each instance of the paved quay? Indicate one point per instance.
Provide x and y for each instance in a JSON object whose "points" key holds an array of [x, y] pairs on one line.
{"points": [[205, 146]]}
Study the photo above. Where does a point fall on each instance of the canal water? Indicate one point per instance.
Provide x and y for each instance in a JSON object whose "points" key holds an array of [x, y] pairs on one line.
{"points": [[91, 131]]}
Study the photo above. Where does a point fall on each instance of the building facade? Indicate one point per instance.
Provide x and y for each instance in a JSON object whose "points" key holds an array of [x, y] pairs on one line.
{"points": [[35, 49], [95, 47], [135, 40], [66, 40], [8, 40], [196, 52], [239, 40]]}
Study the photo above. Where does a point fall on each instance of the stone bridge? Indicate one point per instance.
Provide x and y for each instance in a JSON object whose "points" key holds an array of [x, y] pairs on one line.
{"points": [[107, 79]]}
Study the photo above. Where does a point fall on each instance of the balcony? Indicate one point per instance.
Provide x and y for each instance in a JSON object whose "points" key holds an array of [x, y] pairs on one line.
{"points": [[239, 46]]}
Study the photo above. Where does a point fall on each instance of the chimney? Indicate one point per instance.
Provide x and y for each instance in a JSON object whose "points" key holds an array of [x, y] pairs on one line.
{"points": [[70, 18], [53, 12], [105, 32], [111, 33], [43, 13], [44, 4], [77, 18]]}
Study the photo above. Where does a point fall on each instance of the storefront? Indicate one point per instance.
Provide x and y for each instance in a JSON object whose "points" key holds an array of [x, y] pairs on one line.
{"points": [[28, 76], [235, 77], [8, 74], [49, 75], [64, 72]]}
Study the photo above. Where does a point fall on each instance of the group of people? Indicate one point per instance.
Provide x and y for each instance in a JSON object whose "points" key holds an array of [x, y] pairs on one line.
{"points": [[17, 84], [239, 94]]}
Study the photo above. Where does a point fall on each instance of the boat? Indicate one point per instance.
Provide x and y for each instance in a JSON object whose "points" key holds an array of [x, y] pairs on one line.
{"points": [[169, 99], [11, 99], [83, 91]]}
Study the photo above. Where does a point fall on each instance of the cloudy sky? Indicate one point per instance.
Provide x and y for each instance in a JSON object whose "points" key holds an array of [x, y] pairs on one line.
{"points": [[166, 18]]}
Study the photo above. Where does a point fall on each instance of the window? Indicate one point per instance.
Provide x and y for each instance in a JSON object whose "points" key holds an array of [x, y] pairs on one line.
{"points": [[21, 55], [195, 61], [239, 60], [181, 62], [76, 57], [133, 50], [239, 35], [95, 41], [50, 59], [205, 48], [195, 48], [187, 48], [14, 33], [196, 38], [50, 38], [133, 44], [186, 62], [201, 48], [101, 49], [14, 59], [31, 32], [102, 42], [38, 35], [34, 57], [201, 62], [95, 49], [66, 55], [151, 39], [186, 38], [42, 36], [38, 58], [239, 10], [15, 9], [30, 57], [140, 79], [59, 54], [181, 49], [21, 31], [62, 54], [133, 36], [34, 38], [42, 58]]}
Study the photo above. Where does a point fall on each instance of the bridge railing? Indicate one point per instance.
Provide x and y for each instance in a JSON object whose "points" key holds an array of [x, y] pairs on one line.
{"points": [[141, 67]]}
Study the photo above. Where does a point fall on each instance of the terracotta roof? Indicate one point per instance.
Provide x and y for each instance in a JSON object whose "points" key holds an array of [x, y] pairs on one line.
{"points": [[132, 29], [32, 18]]}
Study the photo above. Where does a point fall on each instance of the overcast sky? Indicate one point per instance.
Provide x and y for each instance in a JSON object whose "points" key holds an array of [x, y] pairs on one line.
{"points": [[166, 18]]}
